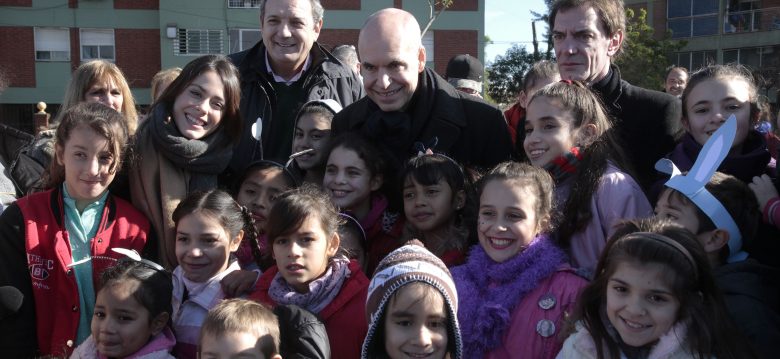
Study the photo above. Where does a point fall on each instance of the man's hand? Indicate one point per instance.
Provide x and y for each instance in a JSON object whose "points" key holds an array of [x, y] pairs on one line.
{"points": [[239, 282]]}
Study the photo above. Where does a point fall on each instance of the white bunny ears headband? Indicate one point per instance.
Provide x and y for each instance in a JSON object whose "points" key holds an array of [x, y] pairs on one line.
{"points": [[692, 185]]}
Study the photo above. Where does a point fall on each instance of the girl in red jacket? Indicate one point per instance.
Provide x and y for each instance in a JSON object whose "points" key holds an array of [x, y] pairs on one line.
{"points": [[51, 239], [310, 272]]}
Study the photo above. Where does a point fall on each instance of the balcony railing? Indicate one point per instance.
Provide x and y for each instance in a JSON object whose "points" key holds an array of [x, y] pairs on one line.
{"points": [[765, 19]]}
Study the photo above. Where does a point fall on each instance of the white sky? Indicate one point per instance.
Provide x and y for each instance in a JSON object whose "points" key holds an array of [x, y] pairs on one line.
{"points": [[508, 22]]}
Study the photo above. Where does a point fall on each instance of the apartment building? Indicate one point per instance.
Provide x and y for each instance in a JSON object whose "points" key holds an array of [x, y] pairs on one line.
{"points": [[42, 41], [722, 31]]}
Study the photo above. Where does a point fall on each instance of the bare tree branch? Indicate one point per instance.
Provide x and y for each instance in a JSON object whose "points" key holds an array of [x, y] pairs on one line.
{"points": [[433, 14]]}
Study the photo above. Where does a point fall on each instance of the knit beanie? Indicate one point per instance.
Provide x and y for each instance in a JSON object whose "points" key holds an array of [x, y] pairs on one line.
{"points": [[410, 263]]}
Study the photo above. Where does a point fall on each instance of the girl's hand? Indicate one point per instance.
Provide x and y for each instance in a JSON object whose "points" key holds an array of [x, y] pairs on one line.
{"points": [[238, 282], [764, 190]]}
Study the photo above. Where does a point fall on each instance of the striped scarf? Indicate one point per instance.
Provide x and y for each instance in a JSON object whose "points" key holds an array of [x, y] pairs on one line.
{"points": [[564, 165]]}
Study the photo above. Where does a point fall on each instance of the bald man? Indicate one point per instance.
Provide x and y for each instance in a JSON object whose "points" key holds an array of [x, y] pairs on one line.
{"points": [[408, 105]]}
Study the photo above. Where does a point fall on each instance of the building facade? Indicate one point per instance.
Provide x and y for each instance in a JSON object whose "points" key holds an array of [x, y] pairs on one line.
{"points": [[722, 31], [43, 41]]}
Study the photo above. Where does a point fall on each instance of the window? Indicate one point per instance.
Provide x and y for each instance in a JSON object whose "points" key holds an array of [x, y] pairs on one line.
{"points": [[694, 60], [687, 18], [243, 3], [242, 39], [744, 16], [754, 57], [197, 42], [97, 44], [427, 42], [52, 44]]}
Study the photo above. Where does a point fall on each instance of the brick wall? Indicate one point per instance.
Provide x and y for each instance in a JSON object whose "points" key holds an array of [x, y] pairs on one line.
{"points": [[25, 3], [462, 5], [659, 18], [338, 4], [398, 4], [448, 43], [137, 4], [138, 54], [330, 38], [17, 59]]}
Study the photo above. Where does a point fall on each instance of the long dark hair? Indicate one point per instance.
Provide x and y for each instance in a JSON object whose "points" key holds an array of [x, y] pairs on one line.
{"points": [[231, 117], [221, 206], [428, 170], [293, 207], [586, 108], [710, 332]]}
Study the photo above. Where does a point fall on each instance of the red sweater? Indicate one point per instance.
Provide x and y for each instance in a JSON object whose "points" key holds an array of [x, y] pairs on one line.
{"points": [[48, 255], [345, 316]]}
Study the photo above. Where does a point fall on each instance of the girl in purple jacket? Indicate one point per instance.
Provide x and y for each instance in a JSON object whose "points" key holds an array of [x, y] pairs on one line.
{"points": [[567, 132], [516, 285]]}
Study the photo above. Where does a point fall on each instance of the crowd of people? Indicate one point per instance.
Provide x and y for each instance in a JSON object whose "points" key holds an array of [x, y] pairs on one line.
{"points": [[282, 202]]}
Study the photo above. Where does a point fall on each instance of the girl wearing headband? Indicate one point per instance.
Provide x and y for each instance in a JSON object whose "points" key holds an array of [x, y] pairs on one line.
{"points": [[653, 297]]}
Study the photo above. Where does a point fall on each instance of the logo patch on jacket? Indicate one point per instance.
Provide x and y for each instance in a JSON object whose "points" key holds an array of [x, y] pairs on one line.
{"points": [[39, 267]]}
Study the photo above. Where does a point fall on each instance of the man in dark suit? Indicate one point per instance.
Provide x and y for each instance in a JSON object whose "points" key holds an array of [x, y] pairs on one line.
{"points": [[588, 35]]}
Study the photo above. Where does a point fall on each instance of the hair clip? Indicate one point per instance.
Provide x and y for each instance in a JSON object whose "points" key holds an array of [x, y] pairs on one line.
{"points": [[131, 254], [331, 104], [296, 155], [693, 184], [349, 218], [284, 167], [426, 148]]}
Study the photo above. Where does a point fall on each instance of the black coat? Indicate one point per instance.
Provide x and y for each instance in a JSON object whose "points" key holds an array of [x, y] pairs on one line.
{"points": [[467, 128], [302, 334], [326, 78], [647, 123], [751, 292]]}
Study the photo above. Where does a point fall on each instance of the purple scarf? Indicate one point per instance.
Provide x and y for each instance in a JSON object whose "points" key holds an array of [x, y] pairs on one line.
{"points": [[753, 160], [488, 291], [322, 290]]}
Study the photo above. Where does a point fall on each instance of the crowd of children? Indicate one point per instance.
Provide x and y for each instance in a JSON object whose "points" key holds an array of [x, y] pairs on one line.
{"points": [[561, 255]]}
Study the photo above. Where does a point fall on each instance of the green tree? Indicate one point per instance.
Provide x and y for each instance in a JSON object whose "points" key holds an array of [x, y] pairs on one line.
{"points": [[505, 74], [645, 58]]}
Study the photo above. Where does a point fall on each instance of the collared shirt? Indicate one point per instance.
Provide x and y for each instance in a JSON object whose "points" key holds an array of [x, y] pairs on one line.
{"points": [[278, 78], [82, 228]]}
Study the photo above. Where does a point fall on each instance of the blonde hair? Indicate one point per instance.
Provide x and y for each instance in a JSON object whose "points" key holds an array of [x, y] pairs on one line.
{"points": [[99, 71], [243, 316], [162, 77]]}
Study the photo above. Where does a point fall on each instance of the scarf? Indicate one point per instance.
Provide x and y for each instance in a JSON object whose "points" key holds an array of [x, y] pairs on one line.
{"points": [[753, 161], [168, 168], [321, 290], [565, 165], [204, 158], [489, 291], [398, 130]]}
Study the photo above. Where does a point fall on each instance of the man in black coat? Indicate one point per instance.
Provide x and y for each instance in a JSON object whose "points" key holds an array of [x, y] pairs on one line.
{"points": [[587, 35], [286, 69], [409, 107]]}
